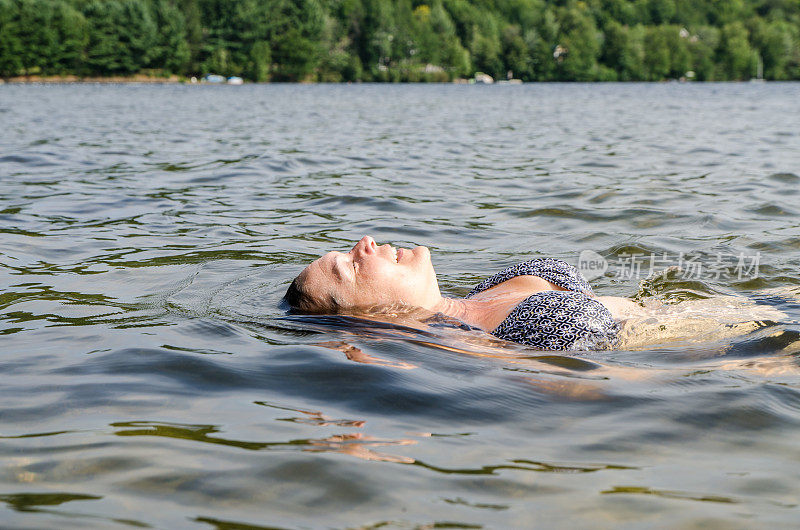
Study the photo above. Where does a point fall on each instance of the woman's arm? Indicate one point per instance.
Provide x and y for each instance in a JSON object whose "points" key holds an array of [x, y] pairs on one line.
{"points": [[621, 308]]}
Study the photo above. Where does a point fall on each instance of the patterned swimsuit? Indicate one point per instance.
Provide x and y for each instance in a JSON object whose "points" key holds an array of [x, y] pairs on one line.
{"points": [[554, 320]]}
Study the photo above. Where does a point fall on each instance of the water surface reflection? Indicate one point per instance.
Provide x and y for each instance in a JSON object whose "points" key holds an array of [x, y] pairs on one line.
{"points": [[148, 232]]}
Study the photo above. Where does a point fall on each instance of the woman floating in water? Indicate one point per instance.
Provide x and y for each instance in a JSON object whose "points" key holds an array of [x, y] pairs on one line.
{"points": [[544, 303]]}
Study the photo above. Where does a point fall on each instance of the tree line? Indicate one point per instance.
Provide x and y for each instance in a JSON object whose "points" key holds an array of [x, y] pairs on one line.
{"points": [[404, 40]]}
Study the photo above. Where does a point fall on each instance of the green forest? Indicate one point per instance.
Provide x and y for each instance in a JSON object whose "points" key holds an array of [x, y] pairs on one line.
{"points": [[403, 40]]}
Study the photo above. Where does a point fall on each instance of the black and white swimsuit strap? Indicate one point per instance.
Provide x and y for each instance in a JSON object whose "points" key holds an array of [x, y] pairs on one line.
{"points": [[553, 270]]}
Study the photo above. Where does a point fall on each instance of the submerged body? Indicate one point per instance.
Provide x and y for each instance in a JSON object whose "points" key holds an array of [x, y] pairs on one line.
{"points": [[544, 303], [700, 321]]}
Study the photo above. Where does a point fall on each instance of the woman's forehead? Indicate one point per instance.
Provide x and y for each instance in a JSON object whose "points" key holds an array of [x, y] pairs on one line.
{"points": [[324, 268]]}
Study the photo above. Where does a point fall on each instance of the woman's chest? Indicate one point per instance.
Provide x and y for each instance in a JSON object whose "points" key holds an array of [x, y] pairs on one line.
{"points": [[499, 301]]}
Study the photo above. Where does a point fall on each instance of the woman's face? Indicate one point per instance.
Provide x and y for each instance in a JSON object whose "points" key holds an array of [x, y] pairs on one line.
{"points": [[372, 275]]}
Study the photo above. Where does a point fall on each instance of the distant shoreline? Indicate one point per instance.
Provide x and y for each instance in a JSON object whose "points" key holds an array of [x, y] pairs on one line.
{"points": [[66, 79], [175, 79]]}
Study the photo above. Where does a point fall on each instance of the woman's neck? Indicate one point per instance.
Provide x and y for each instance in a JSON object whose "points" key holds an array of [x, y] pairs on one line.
{"points": [[476, 313]]}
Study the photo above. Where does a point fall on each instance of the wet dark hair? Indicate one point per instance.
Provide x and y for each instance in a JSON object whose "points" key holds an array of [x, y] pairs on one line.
{"points": [[298, 300], [294, 298]]}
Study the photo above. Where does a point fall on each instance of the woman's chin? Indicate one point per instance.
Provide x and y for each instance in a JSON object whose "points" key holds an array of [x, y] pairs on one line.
{"points": [[421, 251]]}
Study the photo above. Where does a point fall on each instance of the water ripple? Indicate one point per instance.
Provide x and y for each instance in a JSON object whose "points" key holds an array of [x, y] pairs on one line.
{"points": [[148, 233]]}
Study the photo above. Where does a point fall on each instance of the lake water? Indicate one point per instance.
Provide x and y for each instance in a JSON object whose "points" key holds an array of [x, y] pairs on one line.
{"points": [[149, 378]]}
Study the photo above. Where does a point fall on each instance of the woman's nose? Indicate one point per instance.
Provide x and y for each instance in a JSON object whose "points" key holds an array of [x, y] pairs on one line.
{"points": [[366, 245]]}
